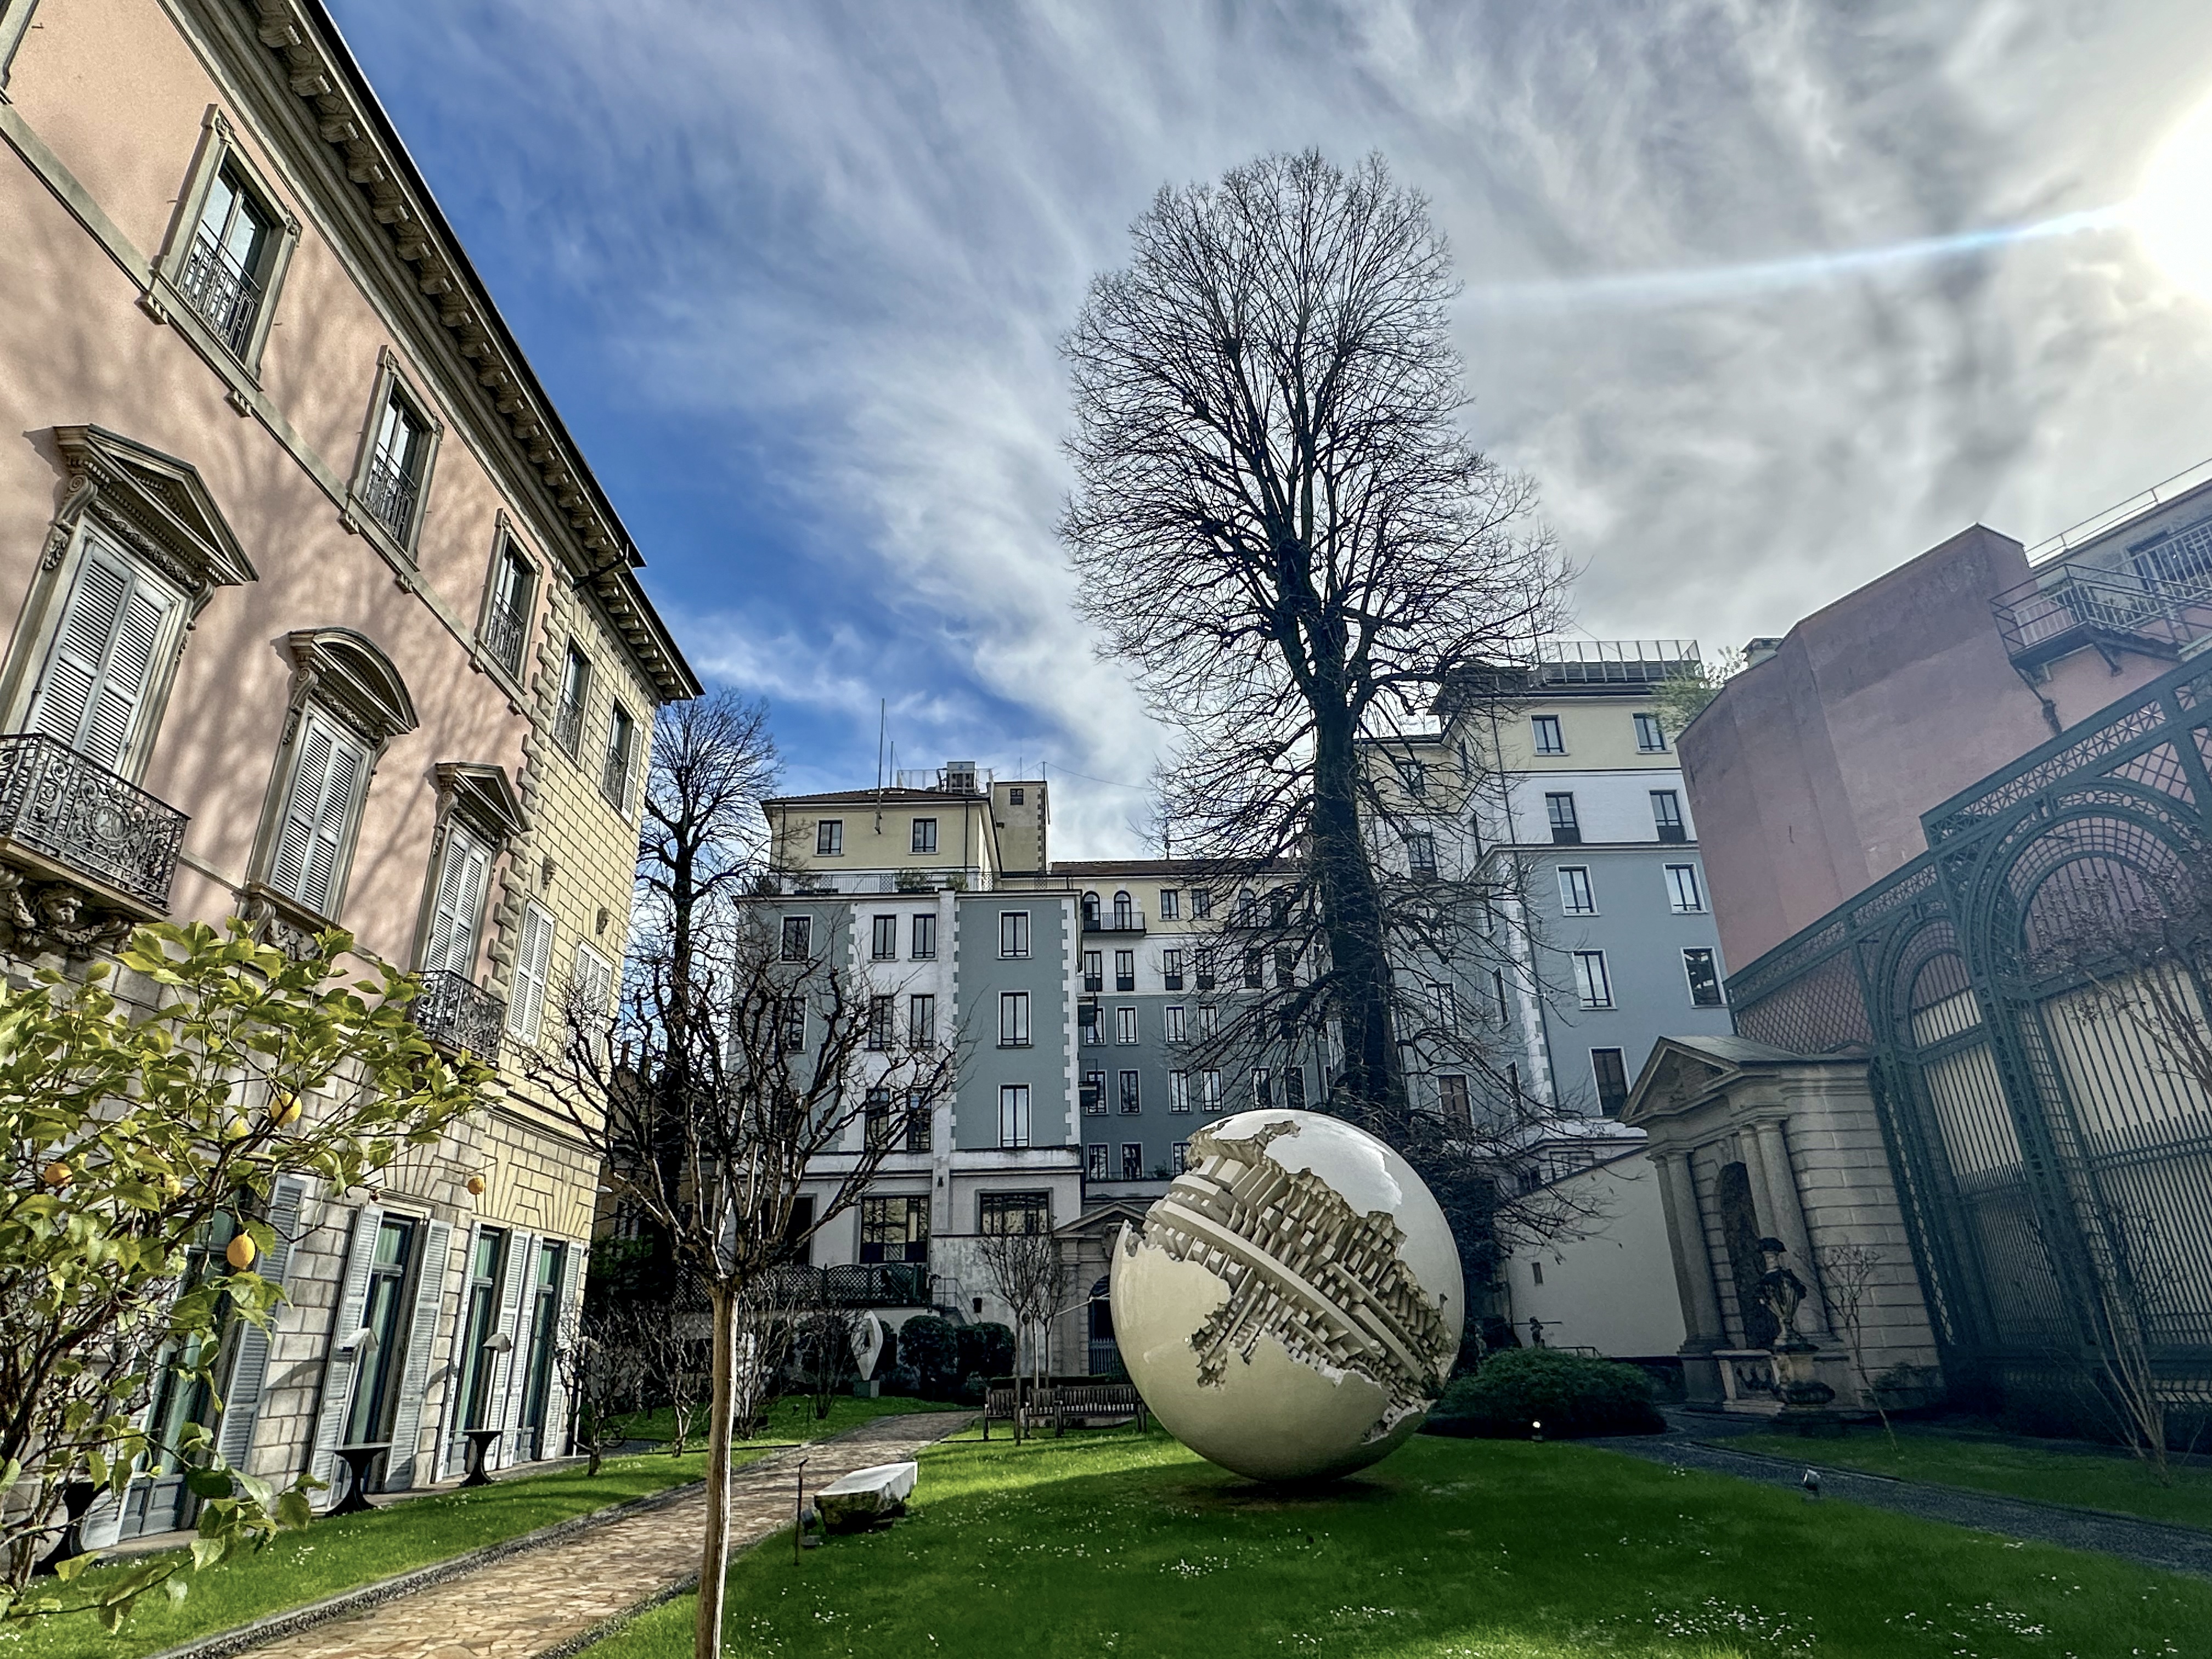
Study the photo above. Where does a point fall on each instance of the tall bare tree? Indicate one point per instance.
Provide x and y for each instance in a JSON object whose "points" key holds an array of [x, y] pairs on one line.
{"points": [[1027, 1270], [1281, 523], [736, 1058]]}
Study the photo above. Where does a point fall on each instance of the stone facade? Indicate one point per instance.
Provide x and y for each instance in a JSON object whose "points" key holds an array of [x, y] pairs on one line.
{"points": [[298, 558]]}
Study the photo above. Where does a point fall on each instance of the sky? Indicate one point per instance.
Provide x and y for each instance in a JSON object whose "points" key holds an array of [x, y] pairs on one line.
{"points": [[1766, 296]]}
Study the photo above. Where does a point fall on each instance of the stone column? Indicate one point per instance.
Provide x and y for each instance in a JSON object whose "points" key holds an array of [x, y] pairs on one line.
{"points": [[1778, 1183], [1694, 1256]]}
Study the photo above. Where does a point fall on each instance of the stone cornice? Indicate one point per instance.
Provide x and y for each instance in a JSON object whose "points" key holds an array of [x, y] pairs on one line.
{"points": [[312, 61]]}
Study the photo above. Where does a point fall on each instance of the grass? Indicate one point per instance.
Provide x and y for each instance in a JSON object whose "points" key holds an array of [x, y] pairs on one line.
{"points": [[2054, 1475], [333, 1555], [1125, 1545], [791, 1419]]}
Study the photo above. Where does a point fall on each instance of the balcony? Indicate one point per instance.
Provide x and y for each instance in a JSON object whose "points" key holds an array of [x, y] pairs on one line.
{"points": [[389, 494], [569, 724], [1122, 919], [504, 635], [222, 291], [2069, 607], [73, 822], [458, 1016], [854, 1285]]}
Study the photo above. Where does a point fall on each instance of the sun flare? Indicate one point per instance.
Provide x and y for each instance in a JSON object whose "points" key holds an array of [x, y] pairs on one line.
{"points": [[2173, 210]]}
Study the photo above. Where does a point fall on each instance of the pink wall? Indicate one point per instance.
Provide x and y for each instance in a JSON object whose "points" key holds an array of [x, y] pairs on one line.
{"points": [[1809, 772]]}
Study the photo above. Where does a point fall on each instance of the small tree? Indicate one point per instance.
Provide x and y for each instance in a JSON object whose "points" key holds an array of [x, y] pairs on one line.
{"points": [[1030, 1274], [671, 1339], [1847, 1273], [601, 1358], [143, 1148], [825, 1338]]}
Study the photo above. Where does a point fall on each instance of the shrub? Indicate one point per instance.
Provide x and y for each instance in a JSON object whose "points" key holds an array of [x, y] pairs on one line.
{"points": [[932, 1346], [1569, 1395], [987, 1347], [887, 1361]]}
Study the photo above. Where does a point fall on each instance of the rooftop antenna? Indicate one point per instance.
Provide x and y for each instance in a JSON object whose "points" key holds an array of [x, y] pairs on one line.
{"points": [[883, 730]]}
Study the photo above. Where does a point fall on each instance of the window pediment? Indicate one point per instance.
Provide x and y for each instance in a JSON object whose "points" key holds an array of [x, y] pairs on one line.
{"points": [[482, 798], [154, 503], [345, 671]]}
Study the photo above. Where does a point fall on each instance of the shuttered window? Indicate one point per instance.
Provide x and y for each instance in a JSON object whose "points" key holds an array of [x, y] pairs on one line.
{"points": [[457, 905], [594, 981], [92, 691], [318, 813], [526, 1009]]}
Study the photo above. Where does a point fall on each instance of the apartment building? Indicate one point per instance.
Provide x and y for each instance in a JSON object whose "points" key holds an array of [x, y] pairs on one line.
{"points": [[318, 617]]}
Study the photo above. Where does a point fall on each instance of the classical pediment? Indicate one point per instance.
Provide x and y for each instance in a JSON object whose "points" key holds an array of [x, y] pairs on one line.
{"points": [[482, 797], [155, 502]]}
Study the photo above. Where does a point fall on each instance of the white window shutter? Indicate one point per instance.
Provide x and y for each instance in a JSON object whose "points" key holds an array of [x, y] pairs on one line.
{"points": [[348, 764], [338, 1367], [518, 1293], [404, 1461], [459, 902], [526, 1009], [94, 683], [595, 980], [249, 1369]]}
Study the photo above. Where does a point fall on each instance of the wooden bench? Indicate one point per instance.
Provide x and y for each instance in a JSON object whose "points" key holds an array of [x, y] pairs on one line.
{"points": [[1082, 1404]]}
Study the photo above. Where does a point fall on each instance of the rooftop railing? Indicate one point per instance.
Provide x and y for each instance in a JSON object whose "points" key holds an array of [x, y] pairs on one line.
{"points": [[2073, 606]]}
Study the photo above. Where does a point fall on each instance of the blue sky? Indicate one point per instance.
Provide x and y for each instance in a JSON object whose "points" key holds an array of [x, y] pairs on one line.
{"points": [[794, 271]]}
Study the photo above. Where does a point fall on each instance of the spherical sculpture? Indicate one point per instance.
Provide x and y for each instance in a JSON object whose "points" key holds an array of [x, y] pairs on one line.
{"points": [[1291, 1307]]}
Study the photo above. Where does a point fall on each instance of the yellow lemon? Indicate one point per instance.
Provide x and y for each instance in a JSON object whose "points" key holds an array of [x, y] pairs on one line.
{"points": [[57, 1173], [171, 1186], [285, 1109], [241, 1253], [236, 1129]]}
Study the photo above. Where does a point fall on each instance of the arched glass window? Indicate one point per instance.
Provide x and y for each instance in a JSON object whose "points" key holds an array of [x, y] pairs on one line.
{"points": [[1125, 911], [1090, 910]]}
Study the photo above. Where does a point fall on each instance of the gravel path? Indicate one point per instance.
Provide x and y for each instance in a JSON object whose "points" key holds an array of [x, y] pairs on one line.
{"points": [[2148, 1543]]}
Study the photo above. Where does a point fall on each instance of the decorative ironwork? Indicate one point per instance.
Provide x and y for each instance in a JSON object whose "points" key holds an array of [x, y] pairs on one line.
{"points": [[504, 635], [458, 1015], [569, 724], [76, 813], [2117, 733], [853, 1285], [222, 291], [389, 492]]}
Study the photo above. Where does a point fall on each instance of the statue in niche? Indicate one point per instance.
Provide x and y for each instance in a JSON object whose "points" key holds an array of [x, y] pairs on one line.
{"points": [[1781, 1292], [1740, 1233]]}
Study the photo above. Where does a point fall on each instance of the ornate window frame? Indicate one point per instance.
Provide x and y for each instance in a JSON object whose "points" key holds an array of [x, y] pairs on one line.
{"points": [[392, 381], [474, 796], [154, 508], [166, 302]]}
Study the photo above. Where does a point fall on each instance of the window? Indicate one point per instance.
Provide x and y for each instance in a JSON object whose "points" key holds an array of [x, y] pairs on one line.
{"points": [[895, 1229], [1171, 1023], [507, 613], [1286, 966], [921, 1019], [1611, 1077], [456, 905], [1446, 997], [1013, 1212], [1451, 1099], [1205, 976], [829, 839], [1704, 977], [885, 945], [1094, 972], [1650, 736], [622, 759], [1201, 903], [925, 834], [1125, 970], [592, 981], [108, 650], [1414, 776], [1247, 909], [392, 484], [1179, 1092], [1294, 1087], [876, 1115], [1013, 1019], [1133, 1160], [925, 937], [1091, 1031], [1549, 740], [1210, 1089], [1254, 970], [1535, 1272], [1125, 911], [234, 257], [1575, 898], [1131, 1094], [1498, 986], [1209, 1020], [1667, 815], [315, 832], [1684, 892], [1513, 1082], [1592, 985], [879, 1023], [1094, 1162], [1421, 852], [1014, 1116], [1171, 970], [1263, 1092], [1091, 913], [575, 686], [533, 958], [1566, 828], [1094, 1094], [479, 1309], [1013, 932], [1181, 1160], [1015, 796], [792, 1039], [798, 939], [1170, 904], [370, 1409], [1125, 1025]]}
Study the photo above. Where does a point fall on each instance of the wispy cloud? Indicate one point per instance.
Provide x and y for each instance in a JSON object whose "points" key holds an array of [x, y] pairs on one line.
{"points": [[797, 270]]}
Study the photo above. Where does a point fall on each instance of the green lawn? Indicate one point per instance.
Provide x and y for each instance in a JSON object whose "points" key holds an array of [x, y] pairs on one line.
{"points": [[792, 1419], [334, 1555], [2053, 1474], [1117, 1544]]}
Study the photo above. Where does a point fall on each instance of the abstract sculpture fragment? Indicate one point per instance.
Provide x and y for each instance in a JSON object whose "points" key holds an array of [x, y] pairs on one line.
{"points": [[1290, 1309]]}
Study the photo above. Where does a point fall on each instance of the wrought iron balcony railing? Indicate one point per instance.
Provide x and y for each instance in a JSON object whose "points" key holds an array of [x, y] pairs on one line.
{"points": [[389, 492], [457, 1014], [568, 725], [80, 815], [1113, 921], [503, 636], [2075, 607], [222, 292]]}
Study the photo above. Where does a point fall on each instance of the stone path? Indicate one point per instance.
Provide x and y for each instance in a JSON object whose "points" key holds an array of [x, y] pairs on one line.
{"points": [[546, 1600], [2148, 1543]]}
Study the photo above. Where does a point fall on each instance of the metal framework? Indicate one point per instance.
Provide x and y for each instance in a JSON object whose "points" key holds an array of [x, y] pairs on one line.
{"points": [[2049, 1133]]}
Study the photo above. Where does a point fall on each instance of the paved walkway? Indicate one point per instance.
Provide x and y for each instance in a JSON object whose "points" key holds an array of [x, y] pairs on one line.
{"points": [[546, 1599], [2149, 1543]]}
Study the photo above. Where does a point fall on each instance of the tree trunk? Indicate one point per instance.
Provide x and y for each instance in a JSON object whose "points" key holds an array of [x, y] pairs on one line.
{"points": [[1352, 923], [714, 1552]]}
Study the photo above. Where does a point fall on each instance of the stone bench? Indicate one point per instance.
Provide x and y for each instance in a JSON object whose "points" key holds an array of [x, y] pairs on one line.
{"points": [[866, 1498]]}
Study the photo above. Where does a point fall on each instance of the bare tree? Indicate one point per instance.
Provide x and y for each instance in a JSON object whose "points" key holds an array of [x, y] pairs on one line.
{"points": [[735, 1057], [601, 1358], [673, 1349], [1281, 523], [1030, 1274], [823, 1335], [1847, 1272]]}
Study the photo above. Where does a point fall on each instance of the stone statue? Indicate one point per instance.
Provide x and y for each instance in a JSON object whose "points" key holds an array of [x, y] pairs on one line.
{"points": [[1781, 1290], [1803, 1395]]}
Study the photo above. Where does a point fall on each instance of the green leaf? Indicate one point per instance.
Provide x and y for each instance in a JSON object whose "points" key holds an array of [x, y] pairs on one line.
{"points": [[111, 1615], [206, 1551], [70, 1569], [293, 1509], [208, 1483], [175, 1588]]}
